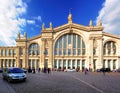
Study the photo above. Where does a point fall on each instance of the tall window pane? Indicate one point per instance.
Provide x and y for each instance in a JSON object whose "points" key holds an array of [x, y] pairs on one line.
{"points": [[74, 41]]}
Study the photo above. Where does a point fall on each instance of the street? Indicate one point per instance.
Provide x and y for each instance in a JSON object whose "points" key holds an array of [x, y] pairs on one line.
{"points": [[64, 82]]}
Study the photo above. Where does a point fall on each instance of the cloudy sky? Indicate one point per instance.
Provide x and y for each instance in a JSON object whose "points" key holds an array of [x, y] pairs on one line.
{"points": [[28, 16]]}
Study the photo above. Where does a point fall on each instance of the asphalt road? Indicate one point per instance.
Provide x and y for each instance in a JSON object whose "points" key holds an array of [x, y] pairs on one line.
{"points": [[64, 82]]}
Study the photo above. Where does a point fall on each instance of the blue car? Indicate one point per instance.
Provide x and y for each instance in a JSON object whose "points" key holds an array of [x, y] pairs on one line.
{"points": [[14, 74]]}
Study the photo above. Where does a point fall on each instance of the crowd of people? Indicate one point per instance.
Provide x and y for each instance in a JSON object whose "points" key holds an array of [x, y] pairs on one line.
{"points": [[48, 70], [44, 70]]}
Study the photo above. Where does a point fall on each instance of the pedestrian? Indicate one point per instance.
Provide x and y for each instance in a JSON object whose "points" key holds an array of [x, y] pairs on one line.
{"points": [[48, 70], [39, 70], [86, 71], [33, 70], [45, 69], [104, 70]]}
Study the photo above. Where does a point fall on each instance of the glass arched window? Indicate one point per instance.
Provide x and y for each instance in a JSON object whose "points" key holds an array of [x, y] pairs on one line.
{"points": [[34, 49], [109, 48], [69, 44]]}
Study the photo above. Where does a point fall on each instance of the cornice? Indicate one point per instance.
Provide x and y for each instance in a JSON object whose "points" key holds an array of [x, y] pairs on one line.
{"points": [[33, 38], [8, 47], [111, 35]]}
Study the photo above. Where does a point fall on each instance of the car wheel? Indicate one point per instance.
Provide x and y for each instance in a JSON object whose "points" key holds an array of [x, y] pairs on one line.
{"points": [[9, 80], [3, 78]]}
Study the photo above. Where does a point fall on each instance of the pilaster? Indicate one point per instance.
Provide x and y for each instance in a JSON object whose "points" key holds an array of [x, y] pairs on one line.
{"points": [[42, 55], [100, 56], [50, 53]]}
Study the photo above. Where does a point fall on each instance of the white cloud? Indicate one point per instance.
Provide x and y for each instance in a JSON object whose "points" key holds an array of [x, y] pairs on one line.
{"points": [[38, 18], [110, 16], [31, 21], [10, 20]]}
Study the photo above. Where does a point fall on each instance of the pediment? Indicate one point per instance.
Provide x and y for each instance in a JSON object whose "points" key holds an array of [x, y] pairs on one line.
{"points": [[77, 26]]}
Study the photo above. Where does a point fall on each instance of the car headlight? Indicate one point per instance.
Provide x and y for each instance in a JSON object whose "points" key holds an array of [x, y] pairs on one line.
{"points": [[24, 75], [11, 76]]}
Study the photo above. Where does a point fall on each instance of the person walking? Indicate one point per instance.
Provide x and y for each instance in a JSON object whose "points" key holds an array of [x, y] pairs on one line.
{"points": [[86, 71], [104, 71], [33, 70], [48, 70], [39, 70]]}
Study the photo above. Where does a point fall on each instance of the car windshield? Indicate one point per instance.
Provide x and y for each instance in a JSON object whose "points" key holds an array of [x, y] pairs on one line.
{"points": [[16, 70]]}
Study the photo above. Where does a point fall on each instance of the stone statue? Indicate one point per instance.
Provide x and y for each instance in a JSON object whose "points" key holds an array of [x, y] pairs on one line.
{"points": [[70, 18], [99, 23], [25, 34], [43, 26], [19, 35], [51, 25], [90, 24]]}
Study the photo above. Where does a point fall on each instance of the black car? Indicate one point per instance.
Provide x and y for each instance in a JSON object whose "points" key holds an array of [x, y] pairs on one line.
{"points": [[104, 70], [1, 70]]}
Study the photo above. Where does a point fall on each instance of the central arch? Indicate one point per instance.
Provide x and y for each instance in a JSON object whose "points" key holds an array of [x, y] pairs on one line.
{"points": [[68, 51]]}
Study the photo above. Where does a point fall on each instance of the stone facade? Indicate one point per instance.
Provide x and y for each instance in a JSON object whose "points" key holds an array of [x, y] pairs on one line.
{"points": [[69, 46]]}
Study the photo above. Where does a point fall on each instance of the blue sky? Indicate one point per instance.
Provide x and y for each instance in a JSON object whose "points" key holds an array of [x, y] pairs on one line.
{"points": [[28, 15], [56, 11]]}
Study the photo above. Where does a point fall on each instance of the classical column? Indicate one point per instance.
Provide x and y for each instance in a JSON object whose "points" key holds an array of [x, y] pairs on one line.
{"points": [[8, 61], [111, 66], [71, 63], [62, 64], [35, 64], [80, 62], [66, 63], [106, 63], [75, 63], [3, 63], [117, 63]]}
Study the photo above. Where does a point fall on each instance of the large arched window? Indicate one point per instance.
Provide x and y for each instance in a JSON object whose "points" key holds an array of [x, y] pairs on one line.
{"points": [[34, 49], [109, 48], [69, 44]]}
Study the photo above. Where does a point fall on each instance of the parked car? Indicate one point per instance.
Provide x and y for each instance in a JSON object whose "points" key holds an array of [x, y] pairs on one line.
{"points": [[29, 70], [71, 70], [104, 69], [1, 70], [118, 70], [24, 70], [14, 74]]}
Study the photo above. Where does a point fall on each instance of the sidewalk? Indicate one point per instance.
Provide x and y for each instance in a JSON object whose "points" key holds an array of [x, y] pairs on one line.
{"points": [[4, 86]]}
